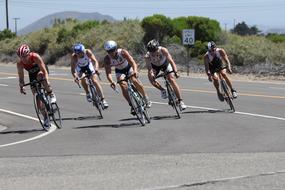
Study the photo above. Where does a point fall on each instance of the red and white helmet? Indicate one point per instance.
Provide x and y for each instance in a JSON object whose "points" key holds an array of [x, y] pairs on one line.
{"points": [[23, 50]]}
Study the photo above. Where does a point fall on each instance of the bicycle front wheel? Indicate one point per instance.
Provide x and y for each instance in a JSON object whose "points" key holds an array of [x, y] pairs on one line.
{"points": [[56, 117], [137, 105], [41, 110], [228, 96], [173, 100], [145, 111], [96, 100]]}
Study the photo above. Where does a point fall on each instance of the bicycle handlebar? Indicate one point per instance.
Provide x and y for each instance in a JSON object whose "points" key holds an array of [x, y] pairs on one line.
{"points": [[125, 79], [164, 74], [34, 82]]}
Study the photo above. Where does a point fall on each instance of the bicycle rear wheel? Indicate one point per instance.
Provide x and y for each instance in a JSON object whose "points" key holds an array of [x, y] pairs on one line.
{"points": [[56, 117], [96, 100], [228, 96], [173, 100], [41, 110], [138, 107]]}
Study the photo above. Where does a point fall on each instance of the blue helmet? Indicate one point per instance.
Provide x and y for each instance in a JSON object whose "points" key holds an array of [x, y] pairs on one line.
{"points": [[78, 48], [110, 45]]}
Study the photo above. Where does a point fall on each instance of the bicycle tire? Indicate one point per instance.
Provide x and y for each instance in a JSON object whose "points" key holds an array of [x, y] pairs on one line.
{"points": [[96, 100], [56, 116], [138, 108], [37, 98], [145, 111], [228, 96], [172, 100]]}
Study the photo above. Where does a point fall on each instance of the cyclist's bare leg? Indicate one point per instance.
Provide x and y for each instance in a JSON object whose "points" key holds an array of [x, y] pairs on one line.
{"points": [[155, 83], [224, 74], [215, 79], [98, 87], [174, 86], [40, 104], [45, 83], [84, 85], [138, 86], [124, 88]]}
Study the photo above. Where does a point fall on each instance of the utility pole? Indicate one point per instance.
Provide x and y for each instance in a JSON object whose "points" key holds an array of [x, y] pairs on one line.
{"points": [[7, 19], [16, 19], [225, 27]]}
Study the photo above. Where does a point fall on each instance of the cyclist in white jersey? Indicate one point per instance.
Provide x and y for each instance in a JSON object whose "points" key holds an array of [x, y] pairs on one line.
{"points": [[214, 60], [124, 65], [83, 61], [159, 59]]}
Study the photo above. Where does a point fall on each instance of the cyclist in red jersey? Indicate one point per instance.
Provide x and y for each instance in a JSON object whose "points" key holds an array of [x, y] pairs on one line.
{"points": [[33, 63]]}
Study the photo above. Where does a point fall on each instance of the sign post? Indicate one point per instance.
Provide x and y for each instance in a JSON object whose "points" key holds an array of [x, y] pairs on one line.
{"points": [[188, 39]]}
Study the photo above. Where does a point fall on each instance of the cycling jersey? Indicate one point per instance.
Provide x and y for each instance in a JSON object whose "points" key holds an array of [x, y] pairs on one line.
{"points": [[84, 65], [83, 61], [31, 66], [157, 59], [119, 62], [215, 61]]}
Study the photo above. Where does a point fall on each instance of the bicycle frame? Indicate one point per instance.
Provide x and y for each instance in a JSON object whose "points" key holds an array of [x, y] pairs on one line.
{"points": [[96, 99], [40, 96], [137, 101], [226, 91], [172, 99]]}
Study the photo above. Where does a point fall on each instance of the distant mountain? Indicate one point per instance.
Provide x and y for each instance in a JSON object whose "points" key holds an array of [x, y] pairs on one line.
{"points": [[276, 30], [48, 21]]}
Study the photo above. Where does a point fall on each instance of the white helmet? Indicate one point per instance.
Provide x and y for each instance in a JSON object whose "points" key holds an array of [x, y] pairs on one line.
{"points": [[110, 45]]}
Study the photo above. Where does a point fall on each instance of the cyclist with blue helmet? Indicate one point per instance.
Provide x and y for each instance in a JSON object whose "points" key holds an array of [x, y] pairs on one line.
{"points": [[124, 65], [216, 61], [83, 60]]}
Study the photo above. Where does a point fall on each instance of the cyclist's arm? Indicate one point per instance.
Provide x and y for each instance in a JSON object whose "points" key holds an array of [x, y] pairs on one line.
{"points": [[130, 60], [206, 63], [225, 58], [73, 66], [169, 58], [108, 69], [93, 59], [20, 74], [148, 64], [41, 64]]}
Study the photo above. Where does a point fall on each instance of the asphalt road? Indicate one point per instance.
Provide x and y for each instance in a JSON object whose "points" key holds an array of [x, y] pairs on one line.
{"points": [[208, 148]]}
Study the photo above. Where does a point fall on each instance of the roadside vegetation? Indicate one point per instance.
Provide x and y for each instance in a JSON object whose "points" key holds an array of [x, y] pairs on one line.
{"points": [[249, 51]]}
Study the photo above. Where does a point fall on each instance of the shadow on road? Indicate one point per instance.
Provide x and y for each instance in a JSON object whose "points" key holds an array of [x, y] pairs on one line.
{"points": [[81, 118], [164, 117], [21, 131], [206, 111], [119, 125]]}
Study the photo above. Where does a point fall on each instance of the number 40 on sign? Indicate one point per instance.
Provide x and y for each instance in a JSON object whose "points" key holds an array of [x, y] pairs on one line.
{"points": [[188, 36]]}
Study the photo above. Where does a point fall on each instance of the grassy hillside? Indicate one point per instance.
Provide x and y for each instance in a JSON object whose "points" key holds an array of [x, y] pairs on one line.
{"points": [[249, 54]]}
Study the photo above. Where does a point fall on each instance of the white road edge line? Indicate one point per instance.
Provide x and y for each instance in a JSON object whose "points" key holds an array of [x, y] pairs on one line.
{"points": [[52, 128], [3, 85], [237, 112]]}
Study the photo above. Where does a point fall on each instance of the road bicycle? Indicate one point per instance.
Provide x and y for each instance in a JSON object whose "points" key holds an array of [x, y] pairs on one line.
{"points": [[172, 98], [96, 98], [137, 102], [226, 92], [44, 108]]}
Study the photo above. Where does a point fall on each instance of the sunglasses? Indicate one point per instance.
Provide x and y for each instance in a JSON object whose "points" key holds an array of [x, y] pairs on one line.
{"points": [[111, 51]]}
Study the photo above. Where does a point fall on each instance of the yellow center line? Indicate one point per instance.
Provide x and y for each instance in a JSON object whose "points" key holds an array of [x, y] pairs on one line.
{"points": [[183, 89]]}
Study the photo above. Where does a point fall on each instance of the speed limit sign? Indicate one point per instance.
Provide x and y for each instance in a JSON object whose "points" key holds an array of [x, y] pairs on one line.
{"points": [[188, 36]]}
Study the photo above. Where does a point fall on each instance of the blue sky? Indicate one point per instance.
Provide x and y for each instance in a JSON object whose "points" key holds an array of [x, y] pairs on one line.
{"points": [[262, 13]]}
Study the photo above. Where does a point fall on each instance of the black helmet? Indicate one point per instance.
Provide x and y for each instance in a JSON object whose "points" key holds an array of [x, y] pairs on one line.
{"points": [[211, 45], [152, 45]]}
